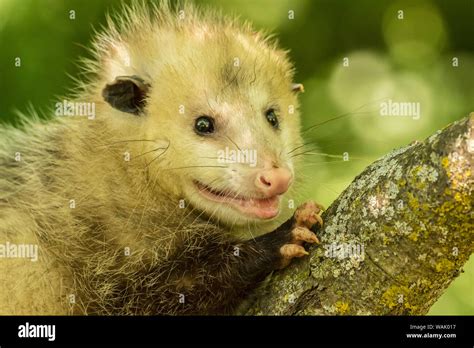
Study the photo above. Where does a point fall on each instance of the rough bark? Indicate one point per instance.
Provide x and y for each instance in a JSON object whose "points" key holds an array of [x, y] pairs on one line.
{"points": [[410, 217]]}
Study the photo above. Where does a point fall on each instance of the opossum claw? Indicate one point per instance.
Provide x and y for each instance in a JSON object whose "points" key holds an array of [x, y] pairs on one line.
{"points": [[303, 234], [307, 214], [290, 251]]}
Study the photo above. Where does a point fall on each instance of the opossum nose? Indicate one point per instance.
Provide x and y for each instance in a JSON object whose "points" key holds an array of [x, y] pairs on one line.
{"points": [[272, 182]]}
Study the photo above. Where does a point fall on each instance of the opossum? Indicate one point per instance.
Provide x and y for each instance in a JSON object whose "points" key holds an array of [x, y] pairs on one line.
{"points": [[171, 197]]}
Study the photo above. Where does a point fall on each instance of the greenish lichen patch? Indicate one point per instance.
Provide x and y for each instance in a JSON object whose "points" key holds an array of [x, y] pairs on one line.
{"points": [[400, 298], [444, 265], [341, 307]]}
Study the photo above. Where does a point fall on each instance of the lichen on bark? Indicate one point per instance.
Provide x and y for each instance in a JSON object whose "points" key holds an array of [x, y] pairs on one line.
{"points": [[394, 239]]}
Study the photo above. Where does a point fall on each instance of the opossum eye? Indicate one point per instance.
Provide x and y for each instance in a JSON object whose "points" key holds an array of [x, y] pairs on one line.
{"points": [[272, 118], [127, 94], [204, 125]]}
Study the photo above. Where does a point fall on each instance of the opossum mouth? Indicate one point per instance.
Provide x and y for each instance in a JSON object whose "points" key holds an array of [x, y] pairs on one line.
{"points": [[262, 208]]}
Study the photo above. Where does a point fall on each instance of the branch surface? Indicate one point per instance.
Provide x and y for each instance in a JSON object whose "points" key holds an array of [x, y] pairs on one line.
{"points": [[392, 241]]}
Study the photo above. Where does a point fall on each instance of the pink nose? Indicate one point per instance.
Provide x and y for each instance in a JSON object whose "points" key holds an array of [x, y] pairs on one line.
{"points": [[273, 181]]}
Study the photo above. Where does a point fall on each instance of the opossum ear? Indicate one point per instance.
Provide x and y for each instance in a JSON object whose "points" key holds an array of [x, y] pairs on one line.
{"points": [[297, 87], [127, 94]]}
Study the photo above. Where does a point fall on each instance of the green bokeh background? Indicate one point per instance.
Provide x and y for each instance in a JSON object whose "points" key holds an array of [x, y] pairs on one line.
{"points": [[409, 59]]}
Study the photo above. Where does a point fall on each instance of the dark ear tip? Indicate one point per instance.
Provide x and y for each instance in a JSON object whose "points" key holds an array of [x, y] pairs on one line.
{"points": [[297, 88], [127, 94]]}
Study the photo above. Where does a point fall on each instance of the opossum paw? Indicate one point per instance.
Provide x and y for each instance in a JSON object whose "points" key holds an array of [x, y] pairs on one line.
{"points": [[308, 214], [299, 235], [287, 241]]}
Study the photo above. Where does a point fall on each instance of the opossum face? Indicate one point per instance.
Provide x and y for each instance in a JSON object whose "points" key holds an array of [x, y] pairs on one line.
{"points": [[228, 120]]}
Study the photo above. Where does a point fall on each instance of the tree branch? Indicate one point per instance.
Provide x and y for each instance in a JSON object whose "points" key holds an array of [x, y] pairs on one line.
{"points": [[394, 239]]}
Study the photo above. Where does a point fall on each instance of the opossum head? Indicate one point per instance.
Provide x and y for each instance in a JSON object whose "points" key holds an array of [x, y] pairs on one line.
{"points": [[218, 101]]}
